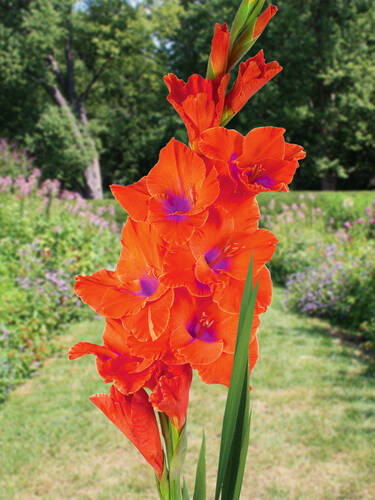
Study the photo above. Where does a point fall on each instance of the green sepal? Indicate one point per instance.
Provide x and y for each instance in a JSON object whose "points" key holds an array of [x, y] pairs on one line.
{"points": [[166, 431], [177, 461], [200, 476], [185, 492], [163, 484], [210, 75]]}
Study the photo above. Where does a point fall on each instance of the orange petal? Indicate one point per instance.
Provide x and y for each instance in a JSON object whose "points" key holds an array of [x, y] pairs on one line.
{"points": [[178, 171], [115, 336], [219, 372], [252, 75], [220, 143], [263, 143], [208, 193], [151, 321], [104, 293], [228, 297], [175, 230], [261, 244], [179, 271], [159, 313], [83, 348], [152, 349], [134, 416], [194, 351], [294, 152], [263, 20], [133, 198], [142, 251]]}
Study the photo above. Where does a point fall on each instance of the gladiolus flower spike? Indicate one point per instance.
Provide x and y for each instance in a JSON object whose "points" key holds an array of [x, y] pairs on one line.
{"points": [[191, 248]]}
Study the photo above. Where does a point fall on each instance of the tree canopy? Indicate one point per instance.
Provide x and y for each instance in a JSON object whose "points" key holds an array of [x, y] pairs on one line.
{"points": [[81, 84]]}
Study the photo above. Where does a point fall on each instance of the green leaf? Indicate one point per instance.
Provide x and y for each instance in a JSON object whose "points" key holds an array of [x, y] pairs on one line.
{"points": [[163, 485], [237, 458], [237, 399], [185, 492], [200, 476], [243, 455]]}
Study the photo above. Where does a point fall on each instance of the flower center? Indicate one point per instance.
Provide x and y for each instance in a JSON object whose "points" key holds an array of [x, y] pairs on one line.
{"points": [[233, 167], [201, 328], [216, 260], [254, 175], [148, 285], [176, 203]]}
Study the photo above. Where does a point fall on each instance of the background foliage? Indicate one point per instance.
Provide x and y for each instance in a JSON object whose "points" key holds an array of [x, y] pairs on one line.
{"points": [[118, 50]]}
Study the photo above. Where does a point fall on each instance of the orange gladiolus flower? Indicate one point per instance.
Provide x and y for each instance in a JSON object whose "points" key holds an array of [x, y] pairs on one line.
{"points": [[179, 193], [135, 417], [169, 383], [260, 161], [199, 331], [218, 257], [219, 52], [114, 361], [252, 75], [134, 287], [205, 336], [199, 102]]}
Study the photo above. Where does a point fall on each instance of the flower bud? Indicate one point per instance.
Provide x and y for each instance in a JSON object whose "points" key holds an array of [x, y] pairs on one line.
{"points": [[252, 75], [245, 11], [254, 27], [218, 61]]}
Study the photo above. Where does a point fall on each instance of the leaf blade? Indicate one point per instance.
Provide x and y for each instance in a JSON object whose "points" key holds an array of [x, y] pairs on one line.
{"points": [[200, 476]]}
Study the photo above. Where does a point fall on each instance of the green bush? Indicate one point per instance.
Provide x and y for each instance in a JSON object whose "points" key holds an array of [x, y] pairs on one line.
{"points": [[326, 256], [44, 242]]}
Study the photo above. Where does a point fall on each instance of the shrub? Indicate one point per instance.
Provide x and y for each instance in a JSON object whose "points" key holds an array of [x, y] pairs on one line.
{"points": [[46, 238]]}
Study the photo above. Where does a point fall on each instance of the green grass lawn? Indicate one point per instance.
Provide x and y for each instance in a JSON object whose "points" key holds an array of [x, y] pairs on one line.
{"points": [[312, 437]]}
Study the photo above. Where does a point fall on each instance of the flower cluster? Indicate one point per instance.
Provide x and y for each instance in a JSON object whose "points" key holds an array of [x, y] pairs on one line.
{"points": [[367, 221], [49, 189], [172, 304]]}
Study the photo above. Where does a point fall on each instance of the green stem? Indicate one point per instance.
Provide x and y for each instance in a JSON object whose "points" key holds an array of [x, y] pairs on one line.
{"points": [[175, 448]]}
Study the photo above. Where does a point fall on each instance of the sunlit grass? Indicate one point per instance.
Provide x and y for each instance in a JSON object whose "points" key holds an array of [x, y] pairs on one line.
{"points": [[312, 437]]}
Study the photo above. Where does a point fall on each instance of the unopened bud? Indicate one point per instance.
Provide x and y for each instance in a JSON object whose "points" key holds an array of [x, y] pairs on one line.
{"points": [[249, 36], [245, 11], [217, 64]]}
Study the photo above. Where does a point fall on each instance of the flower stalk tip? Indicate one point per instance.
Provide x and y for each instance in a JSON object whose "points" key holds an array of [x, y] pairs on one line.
{"points": [[246, 12], [251, 31]]}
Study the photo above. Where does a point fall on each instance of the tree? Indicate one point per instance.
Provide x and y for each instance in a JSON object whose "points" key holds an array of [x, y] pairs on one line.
{"points": [[66, 51], [325, 95], [100, 63]]}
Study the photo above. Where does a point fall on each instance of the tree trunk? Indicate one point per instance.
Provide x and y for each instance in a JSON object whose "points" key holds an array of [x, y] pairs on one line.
{"points": [[93, 179], [329, 181], [91, 174]]}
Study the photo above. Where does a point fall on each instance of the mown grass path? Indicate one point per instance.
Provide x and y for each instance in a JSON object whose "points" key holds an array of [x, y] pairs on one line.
{"points": [[313, 425]]}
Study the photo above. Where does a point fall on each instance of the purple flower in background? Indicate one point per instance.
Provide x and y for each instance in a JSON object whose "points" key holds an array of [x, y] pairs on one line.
{"points": [[50, 188]]}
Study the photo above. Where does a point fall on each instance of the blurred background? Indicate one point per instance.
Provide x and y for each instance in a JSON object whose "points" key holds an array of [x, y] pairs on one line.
{"points": [[81, 91]]}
